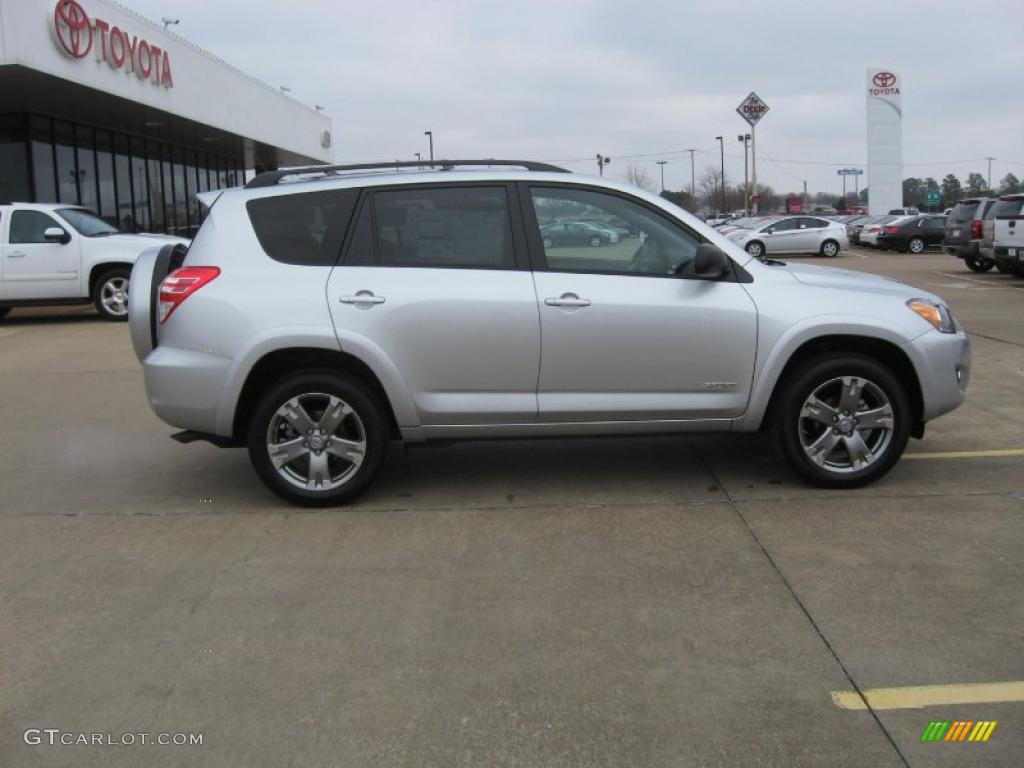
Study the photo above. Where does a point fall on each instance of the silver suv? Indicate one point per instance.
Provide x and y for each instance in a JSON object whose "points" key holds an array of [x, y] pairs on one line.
{"points": [[322, 312]]}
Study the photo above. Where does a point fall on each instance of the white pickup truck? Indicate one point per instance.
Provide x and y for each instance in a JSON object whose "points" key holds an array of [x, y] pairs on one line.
{"points": [[1008, 234], [62, 254]]}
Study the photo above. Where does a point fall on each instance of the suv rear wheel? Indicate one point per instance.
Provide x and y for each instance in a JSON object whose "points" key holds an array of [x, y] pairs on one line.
{"points": [[111, 294], [317, 438], [978, 263], [841, 421]]}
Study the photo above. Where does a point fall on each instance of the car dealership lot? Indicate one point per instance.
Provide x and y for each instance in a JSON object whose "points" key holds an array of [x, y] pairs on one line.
{"points": [[656, 601]]}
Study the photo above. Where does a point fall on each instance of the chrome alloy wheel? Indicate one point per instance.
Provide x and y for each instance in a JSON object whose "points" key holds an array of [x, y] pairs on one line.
{"points": [[316, 441], [114, 296], [846, 424]]}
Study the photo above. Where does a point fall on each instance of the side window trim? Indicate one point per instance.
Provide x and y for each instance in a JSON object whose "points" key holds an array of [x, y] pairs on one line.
{"points": [[538, 261], [519, 246]]}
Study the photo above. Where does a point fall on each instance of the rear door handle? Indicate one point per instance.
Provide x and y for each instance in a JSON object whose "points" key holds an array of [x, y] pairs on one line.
{"points": [[16, 255], [567, 300], [362, 297]]}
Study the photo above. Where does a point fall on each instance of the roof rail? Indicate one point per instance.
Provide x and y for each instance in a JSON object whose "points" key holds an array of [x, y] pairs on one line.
{"points": [[272, 178]]}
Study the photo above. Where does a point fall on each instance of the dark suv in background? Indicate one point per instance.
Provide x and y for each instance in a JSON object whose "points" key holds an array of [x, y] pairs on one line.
{"points": [[964, 232], [915, 235]]}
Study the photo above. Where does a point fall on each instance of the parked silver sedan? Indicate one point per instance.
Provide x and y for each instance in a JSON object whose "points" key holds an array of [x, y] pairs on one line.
{"points": [[793, 234]]}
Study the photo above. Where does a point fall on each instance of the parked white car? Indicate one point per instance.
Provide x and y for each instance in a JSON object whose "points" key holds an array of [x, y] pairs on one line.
{"points": [[62, 254], [793, 234]]}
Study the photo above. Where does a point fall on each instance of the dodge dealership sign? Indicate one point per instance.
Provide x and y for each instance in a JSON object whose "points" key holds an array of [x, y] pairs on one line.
{"points": [[77, 35]]}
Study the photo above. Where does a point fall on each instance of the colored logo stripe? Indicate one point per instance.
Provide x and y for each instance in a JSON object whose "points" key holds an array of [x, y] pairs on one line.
{"points": [[958, 730]]}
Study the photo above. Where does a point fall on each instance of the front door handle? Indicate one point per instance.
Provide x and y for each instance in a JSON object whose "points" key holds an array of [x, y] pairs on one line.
{"points": [[362, 297], [567, 300], [16, 255]]}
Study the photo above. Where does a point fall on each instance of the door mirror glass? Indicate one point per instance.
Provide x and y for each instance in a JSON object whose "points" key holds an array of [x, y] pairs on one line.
{"points": [[770, 231], [710, 261], [56, 235]]}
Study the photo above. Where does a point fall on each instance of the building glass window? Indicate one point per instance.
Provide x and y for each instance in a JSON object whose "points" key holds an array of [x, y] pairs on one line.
{"points": [[180, 210], [167, 170], [86, 172], [123, 179], [14, 178], [140, 184], [44, 174], [105, 178], [67, 173], [158, 220]]}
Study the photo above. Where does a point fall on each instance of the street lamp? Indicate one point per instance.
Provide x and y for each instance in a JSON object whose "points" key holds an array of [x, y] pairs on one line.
{"points": [[430, 134], [721, 146], [662, 164], [602, 161], [745, 138], [419, 160]]}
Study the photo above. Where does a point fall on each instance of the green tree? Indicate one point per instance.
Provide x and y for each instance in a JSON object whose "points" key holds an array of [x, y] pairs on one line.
{"points": [[864, 196], [682, 198], [1009, 184], [976, 183], [840, 205], [913, 191], [951, 190]]}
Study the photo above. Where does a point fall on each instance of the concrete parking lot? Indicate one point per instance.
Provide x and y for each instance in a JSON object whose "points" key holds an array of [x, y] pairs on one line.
{"points": [[662, 601]]}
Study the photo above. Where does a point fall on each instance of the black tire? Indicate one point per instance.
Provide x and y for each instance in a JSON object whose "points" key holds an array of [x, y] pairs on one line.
{"points": [[310, 387], [791, 429], [916, 245], [1004, 270], [755, 248], [978, 263], [830, 249], [111, 293], [596, 241], [4, 312]]}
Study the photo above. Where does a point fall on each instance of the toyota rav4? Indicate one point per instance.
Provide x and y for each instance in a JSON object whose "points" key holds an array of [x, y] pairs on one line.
{"points": [[322, 312]]}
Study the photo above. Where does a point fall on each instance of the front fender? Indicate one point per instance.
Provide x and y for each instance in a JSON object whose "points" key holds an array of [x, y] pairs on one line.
{"points": [[772, 363]]}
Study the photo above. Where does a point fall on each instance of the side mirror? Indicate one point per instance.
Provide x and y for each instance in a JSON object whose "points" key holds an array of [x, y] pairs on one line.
{"points": [[710, 261], [769, 232], [56, 235]]}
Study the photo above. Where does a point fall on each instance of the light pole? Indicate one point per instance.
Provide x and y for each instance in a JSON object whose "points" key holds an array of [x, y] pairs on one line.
{"points": [[419, 160], [745, 138], [662, 164], [430, 135], [721, 146], [693, 177], [602, 161]]}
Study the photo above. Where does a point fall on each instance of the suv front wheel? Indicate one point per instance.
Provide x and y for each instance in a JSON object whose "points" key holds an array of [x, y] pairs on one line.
{"points": [[317, 438], [841, 422]]}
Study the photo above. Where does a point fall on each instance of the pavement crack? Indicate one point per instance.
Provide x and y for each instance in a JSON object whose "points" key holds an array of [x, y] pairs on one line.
{"points": [[821, 634]]}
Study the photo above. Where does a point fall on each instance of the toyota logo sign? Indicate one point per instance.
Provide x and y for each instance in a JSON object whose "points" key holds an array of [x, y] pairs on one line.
{"points": [[74, 32], [884, 79]]}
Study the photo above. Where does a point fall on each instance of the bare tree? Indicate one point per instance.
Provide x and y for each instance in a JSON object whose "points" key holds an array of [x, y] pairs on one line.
{"points": [[638, 177], [710, 184]]}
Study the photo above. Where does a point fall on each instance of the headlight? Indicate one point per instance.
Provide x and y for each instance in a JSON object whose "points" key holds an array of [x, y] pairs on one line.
{"points": [[938, 315]]}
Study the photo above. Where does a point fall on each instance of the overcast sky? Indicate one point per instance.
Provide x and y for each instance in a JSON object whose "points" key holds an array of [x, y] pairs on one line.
{"points": [[560, 80]]}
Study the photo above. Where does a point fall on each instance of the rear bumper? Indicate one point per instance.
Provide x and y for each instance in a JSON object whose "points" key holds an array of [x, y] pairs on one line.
{"points": [[943, 362], [1006, 261], [888, 241], [185, 386]]}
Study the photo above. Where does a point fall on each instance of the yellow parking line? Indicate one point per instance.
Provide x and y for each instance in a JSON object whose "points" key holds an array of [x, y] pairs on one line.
{"points": [[917, 696], [966, 454]]}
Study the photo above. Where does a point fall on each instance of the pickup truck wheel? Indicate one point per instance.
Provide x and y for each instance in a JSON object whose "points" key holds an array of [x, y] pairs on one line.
{"points": [[317, 438], [977, 263], [916, 245], [4, 312], [841, 421], [111, 294]]}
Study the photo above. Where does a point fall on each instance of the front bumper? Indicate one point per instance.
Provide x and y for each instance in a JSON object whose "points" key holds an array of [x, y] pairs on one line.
{"points": [[943, 363]]}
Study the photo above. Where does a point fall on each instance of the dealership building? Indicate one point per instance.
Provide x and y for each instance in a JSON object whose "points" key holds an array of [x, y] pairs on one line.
{"points": [[103, 108]]}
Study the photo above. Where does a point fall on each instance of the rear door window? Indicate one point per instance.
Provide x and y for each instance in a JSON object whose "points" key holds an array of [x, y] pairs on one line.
{"points": [[460, 227], [305, 228]]}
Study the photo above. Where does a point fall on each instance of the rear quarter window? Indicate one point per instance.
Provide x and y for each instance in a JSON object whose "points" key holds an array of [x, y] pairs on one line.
{"points": [[963, 212], [306, 228], [1006, 208]]}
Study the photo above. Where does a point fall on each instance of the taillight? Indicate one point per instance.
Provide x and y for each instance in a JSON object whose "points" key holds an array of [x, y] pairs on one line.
{"points": [[892, 230], [976, 232], [181, 284]]}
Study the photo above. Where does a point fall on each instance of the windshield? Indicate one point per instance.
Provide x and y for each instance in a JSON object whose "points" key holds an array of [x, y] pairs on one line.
{"points": [[85, 223]]}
